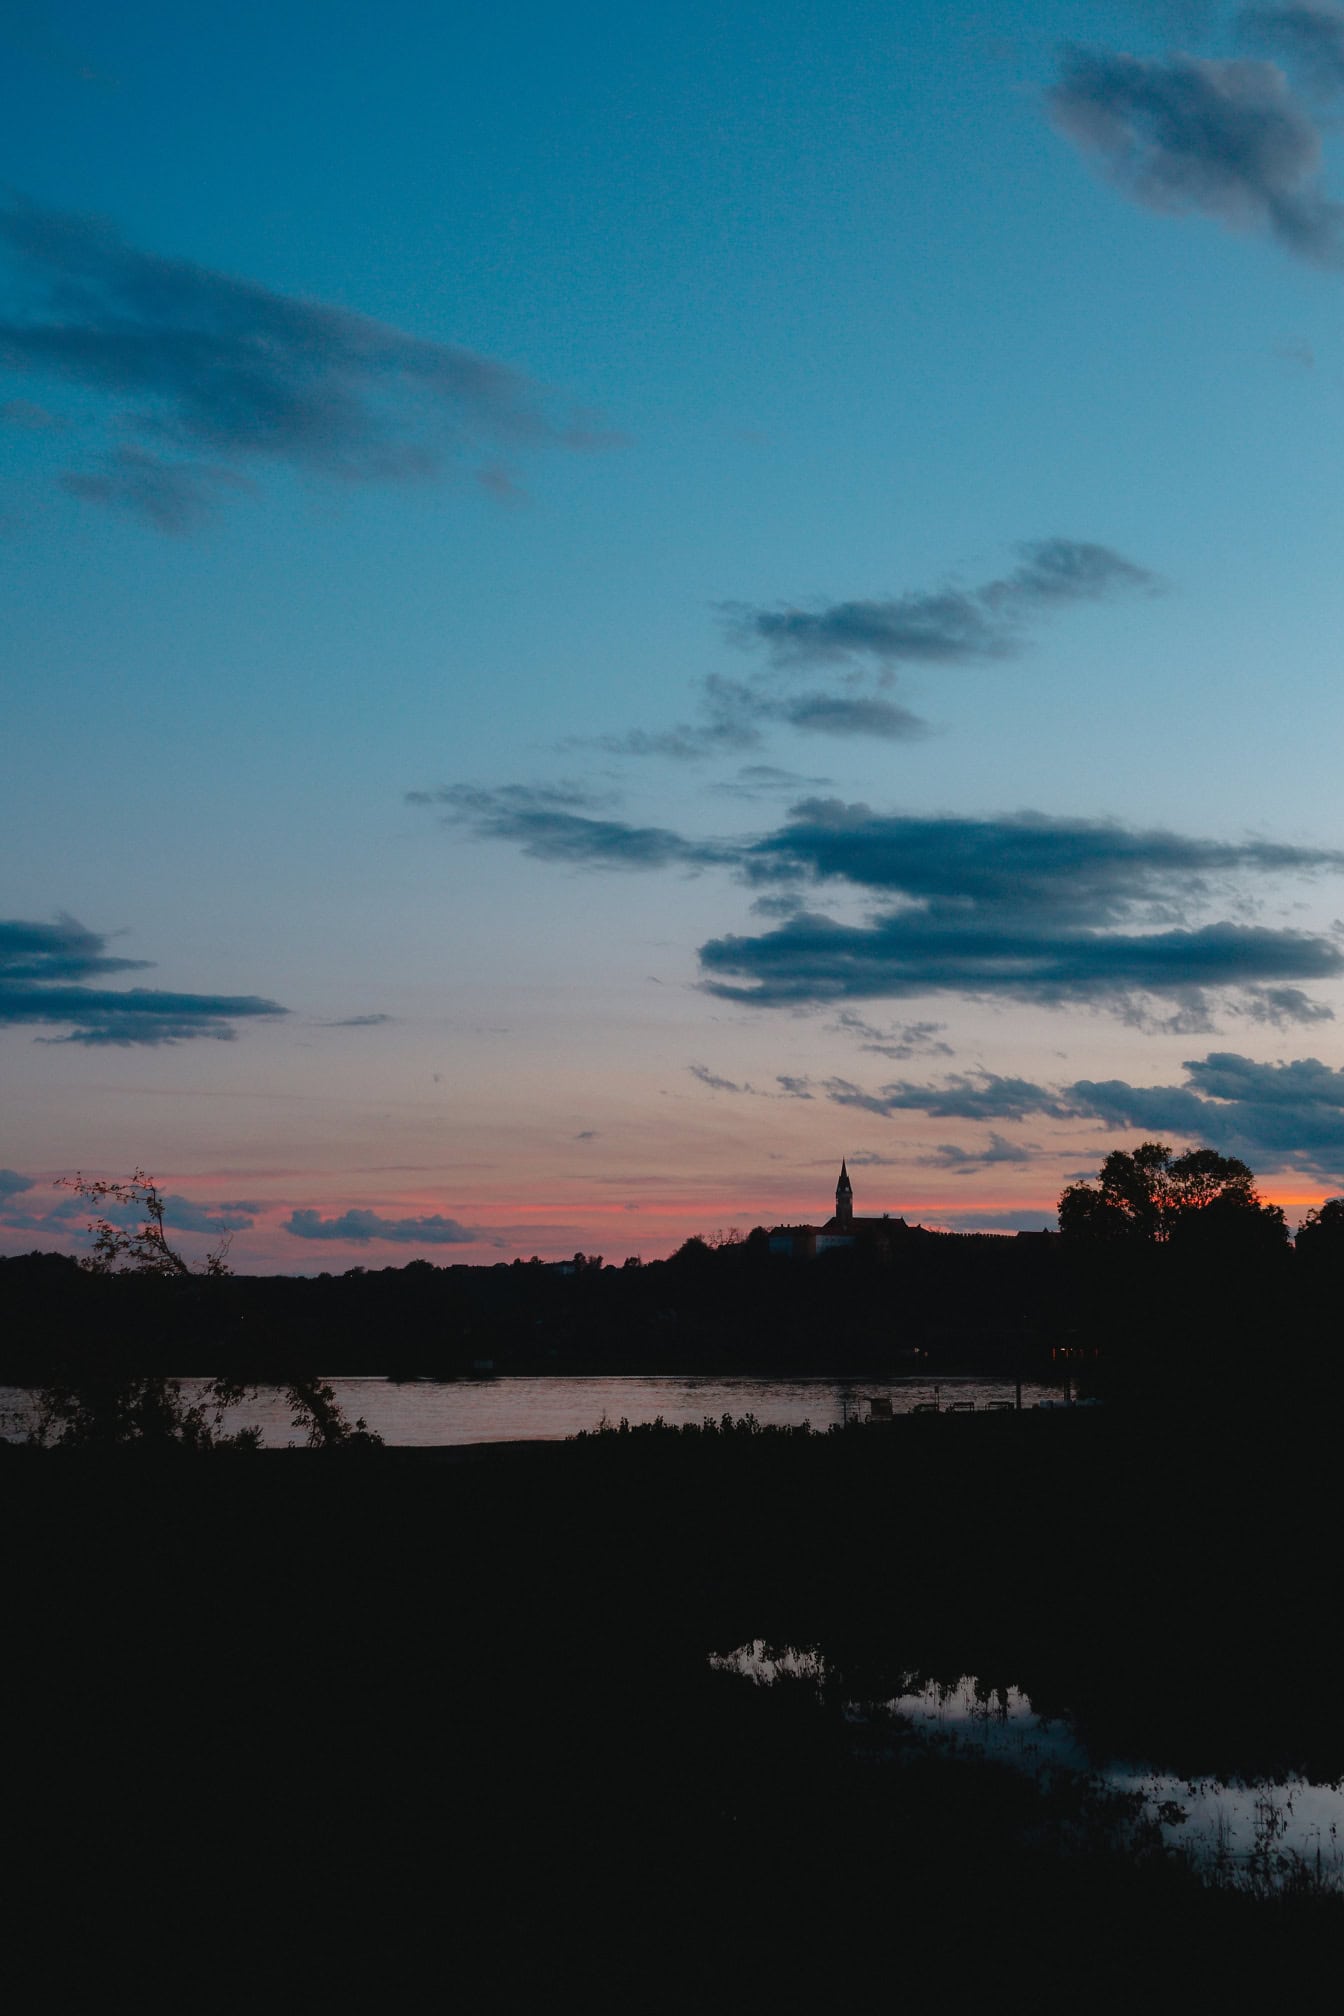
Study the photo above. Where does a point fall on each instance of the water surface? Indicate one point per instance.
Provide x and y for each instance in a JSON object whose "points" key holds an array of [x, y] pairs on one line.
{"points": [[548, 1407]]}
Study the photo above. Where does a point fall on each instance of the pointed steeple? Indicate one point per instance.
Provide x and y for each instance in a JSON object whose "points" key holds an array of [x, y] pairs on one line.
{"points": [[844, 1197]]}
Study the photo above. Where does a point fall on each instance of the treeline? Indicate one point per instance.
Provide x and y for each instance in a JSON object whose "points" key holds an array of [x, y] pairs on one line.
{"points": [[1123, 1308]]}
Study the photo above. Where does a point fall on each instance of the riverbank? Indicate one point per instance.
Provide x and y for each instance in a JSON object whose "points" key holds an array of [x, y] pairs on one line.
{"points": [[466, 1706]]}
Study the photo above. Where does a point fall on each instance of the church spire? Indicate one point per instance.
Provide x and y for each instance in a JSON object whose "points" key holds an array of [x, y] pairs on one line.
{"points": [[844, 1197]]}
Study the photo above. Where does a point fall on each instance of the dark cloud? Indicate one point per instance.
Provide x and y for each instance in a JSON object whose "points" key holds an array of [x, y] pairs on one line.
{"points": [[1280, 1115], [1022, 907], [588, 1134], [546, 825], [794, 1088], [967, 1095], [944, 626], [359, 1022], [43, 966], [846, 714], [1283, 1115], [12, 1184], [1022, 864], [230, 371], [1309, 36], [359, 1227], [1191, 133], [814, 959]]}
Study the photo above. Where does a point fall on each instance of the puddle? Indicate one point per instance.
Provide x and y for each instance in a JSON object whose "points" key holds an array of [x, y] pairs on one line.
{"points": [[1257, 1835]]}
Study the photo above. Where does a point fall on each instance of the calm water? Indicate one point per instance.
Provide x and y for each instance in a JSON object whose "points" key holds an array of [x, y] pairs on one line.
{"points": [[440, 1414], [1231, 1829]]}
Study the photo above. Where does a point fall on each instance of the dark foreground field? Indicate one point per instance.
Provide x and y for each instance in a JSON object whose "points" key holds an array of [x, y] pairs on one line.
{"points": [[288, 1723]]}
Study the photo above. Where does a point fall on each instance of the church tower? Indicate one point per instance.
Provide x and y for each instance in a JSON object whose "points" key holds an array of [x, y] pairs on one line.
{"points": [[844, 1200]]}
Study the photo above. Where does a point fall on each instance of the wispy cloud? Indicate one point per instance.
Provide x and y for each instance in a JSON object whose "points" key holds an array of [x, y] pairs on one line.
{"points": [[947, 626], [855, 640], [1192, 133], [713, 1082], [204, 372], [904, 1039], [961, 1161], [44, 969], [548, 824], [172, 496]]}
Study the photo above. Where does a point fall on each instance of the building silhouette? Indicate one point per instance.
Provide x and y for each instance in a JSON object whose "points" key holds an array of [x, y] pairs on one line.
{"points": [[842, 1232]]}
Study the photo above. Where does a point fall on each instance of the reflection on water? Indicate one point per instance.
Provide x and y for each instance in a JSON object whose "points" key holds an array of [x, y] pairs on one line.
{"points": [[1253, 1835], [456, 1412]]}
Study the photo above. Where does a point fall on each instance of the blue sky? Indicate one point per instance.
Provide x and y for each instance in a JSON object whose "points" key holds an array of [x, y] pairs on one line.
{"points": [[440, 449]]}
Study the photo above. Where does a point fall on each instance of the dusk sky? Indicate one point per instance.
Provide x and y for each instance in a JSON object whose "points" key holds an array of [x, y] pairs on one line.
{"points": [[601, 606]]}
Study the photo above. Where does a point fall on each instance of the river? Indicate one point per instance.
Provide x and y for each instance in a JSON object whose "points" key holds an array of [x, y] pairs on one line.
{"points": [[425, 1413]]}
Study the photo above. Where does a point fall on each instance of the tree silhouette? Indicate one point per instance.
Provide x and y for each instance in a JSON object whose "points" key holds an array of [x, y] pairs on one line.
{"points": [[1149, 1196], [101, 1408]]}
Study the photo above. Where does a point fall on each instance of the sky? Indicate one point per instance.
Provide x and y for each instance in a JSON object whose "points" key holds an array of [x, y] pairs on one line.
{"points": [[600, 607]]}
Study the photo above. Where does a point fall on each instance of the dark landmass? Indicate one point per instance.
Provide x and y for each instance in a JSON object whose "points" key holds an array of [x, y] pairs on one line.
{"points": [[1134, 1311], [454, 1724]]}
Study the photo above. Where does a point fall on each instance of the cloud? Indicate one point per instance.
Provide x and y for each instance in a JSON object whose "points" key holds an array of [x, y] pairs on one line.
{"points": [[1021, 907], [171, 496], [1309, 35], [1191, 133], [812, 959], [959, 1161], [794, 1088], [588, 1134], [197, 364], [181, 1214], [945, 626], [906, 1039], [765, 780], [544, 823], [1074, 870], [994, 1218], [359, 1022], [966, 1095], [359, 1227], [1286, 1115], [842, 714], [60, 1215], [949, 625], [714, 1083], [43, 966], [1280, 1115], [1018, 906]]}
